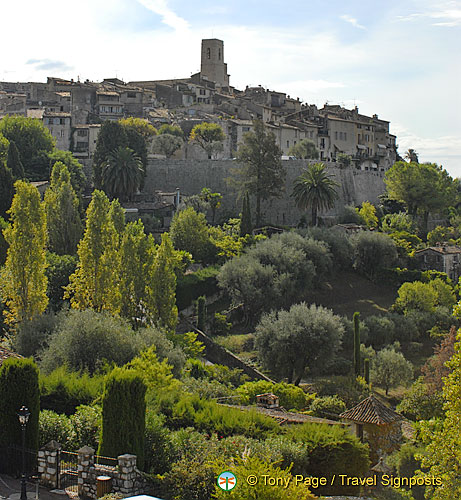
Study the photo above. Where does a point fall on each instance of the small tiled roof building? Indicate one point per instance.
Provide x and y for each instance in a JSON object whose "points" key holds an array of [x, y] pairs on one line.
{"points": [[377, 424], [444, 258]]}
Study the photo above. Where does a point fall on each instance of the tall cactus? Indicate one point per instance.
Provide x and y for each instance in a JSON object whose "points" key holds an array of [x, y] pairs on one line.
{"points": [[357, 370]]}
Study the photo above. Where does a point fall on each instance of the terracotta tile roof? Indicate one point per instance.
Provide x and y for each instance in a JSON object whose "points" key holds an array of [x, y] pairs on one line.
{"points": [[443, 249], [6, 353], [371, 411]]}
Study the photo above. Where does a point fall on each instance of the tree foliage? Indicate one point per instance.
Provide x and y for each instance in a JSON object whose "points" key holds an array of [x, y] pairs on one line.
{"points": [[367, 212], [166, 144], [122, 173], [425, 297], [443, 452], [64, 226], [94, 283], [373, 252], [390, 369], [139, 125], [31, 138], [208, 136], [305, 149], [77, 176], [305, 337], [123, 415], [19, 387], [23, 277], [189, 232], [14, 162], [6, 188], [316, 189], [245, 223], [262, 174], [171, 130]]}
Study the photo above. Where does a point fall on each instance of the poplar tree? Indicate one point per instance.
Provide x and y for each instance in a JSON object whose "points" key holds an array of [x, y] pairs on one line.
{"points": [[23, 278], [95, 281], [137, 260], [163, 289], [63, 220], [6, 188]]}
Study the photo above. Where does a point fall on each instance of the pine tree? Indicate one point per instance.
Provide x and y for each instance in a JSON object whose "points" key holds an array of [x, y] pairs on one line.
{"points": [[14, 162], [23, 277], [95, 282], [356, 320], [63, 219], [164, 286], [245, 224], [123, 415]]}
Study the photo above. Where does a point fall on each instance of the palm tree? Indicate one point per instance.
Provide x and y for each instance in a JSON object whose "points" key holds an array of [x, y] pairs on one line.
{"points": [[122, 173], [316, 189], [412, 156]]}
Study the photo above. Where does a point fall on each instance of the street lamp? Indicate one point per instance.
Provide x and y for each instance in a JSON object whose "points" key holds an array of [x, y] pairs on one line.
{"points": [[23, 415]]}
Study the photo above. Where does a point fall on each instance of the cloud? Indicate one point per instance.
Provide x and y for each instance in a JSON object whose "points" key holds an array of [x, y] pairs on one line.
{"points": [[48, 64], [447, 14], [169, 17], [352, 20]]}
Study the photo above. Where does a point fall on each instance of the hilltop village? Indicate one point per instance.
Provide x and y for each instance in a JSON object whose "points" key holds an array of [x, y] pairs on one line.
{"points": [[74, 110]]}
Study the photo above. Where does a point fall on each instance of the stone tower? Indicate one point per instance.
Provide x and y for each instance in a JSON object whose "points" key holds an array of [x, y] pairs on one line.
{"points": [[213, 67]]}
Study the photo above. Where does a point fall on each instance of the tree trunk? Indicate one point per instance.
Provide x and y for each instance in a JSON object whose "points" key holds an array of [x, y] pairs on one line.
{"points": [[314, 216]]}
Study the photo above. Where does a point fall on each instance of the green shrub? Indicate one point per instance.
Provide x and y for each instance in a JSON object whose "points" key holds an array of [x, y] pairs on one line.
{"points": [[205, 388], [60, 267], [220, 325], [289, 395], [123, 415], [327, 406], [347, 388], [157, 444], [86, 422], [373, 252], [33, 335], [331, 450], [191, 286], [63, 391], [58, 427], [19, 387]]}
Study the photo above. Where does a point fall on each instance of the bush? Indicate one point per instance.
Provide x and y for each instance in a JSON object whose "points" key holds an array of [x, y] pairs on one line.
{"points": [[206, 389], [348, 389], [86, 422], [33, 335], [58, 427], [420, 404], [381, 330], [331, 450], [60, 267], [338, 243], [373, 251], [123, 415], [191, 286], [220, 325], [157, 445], [19, 387], [289, 395], [63, 391], [327, 407]]}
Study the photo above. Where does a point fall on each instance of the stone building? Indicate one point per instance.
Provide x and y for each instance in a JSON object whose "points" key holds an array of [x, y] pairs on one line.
{"points": [[443, 258]]}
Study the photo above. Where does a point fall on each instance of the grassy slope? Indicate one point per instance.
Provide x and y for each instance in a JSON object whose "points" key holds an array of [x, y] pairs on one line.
{"points": [[348, 292]]}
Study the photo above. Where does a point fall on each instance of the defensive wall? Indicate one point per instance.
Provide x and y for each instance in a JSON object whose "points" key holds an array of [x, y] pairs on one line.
{"points": [[190, 176]]}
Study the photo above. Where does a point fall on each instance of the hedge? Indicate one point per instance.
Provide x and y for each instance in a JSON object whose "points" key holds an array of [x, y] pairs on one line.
{"points": [[191, 286], [123, 415]]}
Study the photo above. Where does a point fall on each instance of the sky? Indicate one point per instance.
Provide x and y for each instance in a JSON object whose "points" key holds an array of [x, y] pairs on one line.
{"points": [[398, 59]]}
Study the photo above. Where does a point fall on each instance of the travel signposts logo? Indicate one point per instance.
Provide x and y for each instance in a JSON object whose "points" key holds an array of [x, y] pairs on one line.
{"points": [[227, 481]]}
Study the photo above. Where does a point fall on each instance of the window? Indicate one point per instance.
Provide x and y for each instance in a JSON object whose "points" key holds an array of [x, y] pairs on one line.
{"points": [[208, 53], [82, 133], [322, 143], [219, 54], [288, 144], [202, 92], [345, 136], [62, 121], [82, 145], [245, 129], [336, 135], [131, 95]]}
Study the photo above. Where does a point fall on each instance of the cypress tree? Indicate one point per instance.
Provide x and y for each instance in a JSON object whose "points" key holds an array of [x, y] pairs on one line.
{"points": [[201, 313], [14, 162], [245, 223], [367, 370], [356, 320], [19, 387], [6, 189], [123, 415]]}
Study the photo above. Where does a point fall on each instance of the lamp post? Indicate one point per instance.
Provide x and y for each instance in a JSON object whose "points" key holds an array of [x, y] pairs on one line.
{"points": [[23, 415]]}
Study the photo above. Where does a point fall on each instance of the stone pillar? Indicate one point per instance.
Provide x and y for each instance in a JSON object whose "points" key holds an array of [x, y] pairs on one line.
{"points": [[128, 474], [86, 488], [48, 464]]}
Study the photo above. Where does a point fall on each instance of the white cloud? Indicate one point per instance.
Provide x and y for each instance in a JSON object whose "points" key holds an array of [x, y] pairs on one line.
{"points": [[169, 17], [448, 14], [353, 21]]}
